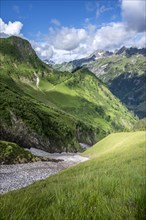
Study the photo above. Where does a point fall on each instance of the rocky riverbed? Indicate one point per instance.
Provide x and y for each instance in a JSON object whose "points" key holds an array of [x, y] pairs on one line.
{"points": [[17, 176]]}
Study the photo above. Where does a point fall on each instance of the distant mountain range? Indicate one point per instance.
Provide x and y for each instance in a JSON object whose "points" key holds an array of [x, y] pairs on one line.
{"points": [[50, 109], [49, 61], [98, 54], [123, 72]]}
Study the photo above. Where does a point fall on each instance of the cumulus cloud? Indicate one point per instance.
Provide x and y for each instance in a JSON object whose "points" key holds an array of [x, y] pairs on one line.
{"points": [[62, 44], [60, 56], [69, 43], [66, 38], [12, 28], [138, 40], [141, 42], [111, 36], [65, 44], [134, 14], [43, 50]]}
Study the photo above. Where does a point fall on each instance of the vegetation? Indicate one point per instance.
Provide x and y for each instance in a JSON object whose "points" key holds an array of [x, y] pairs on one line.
{"points": [[140, 125], [111, 185], [11, 153], [55, 110], [125, 77], [123, 73]]}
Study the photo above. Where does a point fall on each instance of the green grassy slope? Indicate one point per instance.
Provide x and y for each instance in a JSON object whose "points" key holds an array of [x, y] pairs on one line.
{"points": [[56, 110], [86, 98], [29, 123], [124, 75], [109, 186], [140, 125]]}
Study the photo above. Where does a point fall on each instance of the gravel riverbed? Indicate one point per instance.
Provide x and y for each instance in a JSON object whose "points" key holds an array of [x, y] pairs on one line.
{"points": [[17, 176]]}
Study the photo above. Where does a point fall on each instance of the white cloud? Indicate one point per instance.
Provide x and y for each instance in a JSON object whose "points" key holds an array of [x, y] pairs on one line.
{"points": [[62, 56], [62, 44], [66, 56], [43, 50], [134, 14], [139, 40], [66, 38], [55, 21], [65, 44], [69, 43], [111, 36], [12, 28]]}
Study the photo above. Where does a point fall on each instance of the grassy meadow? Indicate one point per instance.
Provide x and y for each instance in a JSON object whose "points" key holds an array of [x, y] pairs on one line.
{"points": [[109, 186]]}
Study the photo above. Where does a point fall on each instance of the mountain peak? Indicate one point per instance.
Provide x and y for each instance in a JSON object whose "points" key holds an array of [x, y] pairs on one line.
{"points": [[19, 50], [101, 53], [131, 51], [23, 46]]}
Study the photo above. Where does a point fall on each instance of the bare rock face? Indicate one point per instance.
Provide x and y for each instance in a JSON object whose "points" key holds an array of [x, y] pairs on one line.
{"points": [[21, 134]]}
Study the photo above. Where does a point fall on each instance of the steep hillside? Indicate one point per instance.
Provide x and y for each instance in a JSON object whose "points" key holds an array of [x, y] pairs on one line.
{"points": [[52, 110], [111, 185], [123, 72], [125, 76]]}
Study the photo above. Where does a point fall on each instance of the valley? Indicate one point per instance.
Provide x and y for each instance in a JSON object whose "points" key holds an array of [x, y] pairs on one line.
{"points": [[71, 128], [73, 110], [123, 71], [60, 110]]}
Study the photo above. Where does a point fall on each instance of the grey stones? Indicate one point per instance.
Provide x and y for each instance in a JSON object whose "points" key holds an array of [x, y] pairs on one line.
{"points": [[17, 176]]}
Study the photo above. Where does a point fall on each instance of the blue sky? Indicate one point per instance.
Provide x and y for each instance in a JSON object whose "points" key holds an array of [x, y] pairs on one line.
{"points": [[36, 16], [65, 30]]}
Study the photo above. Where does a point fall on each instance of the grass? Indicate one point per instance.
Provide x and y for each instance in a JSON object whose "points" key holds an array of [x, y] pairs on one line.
{"points": [[111, 185], [65, 109], [11, 153], [125, 77], [86, 98]]}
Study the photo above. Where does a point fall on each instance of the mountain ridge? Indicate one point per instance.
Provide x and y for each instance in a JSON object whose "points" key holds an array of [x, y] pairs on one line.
{"points": [[123, 72], [55, 110]]}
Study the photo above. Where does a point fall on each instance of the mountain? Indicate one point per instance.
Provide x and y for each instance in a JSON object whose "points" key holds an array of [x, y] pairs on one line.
{"points": [[52, 110], [50, 62], [75, 64], [125, 76], [131, 51], [101, 53], [124, 73]]}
